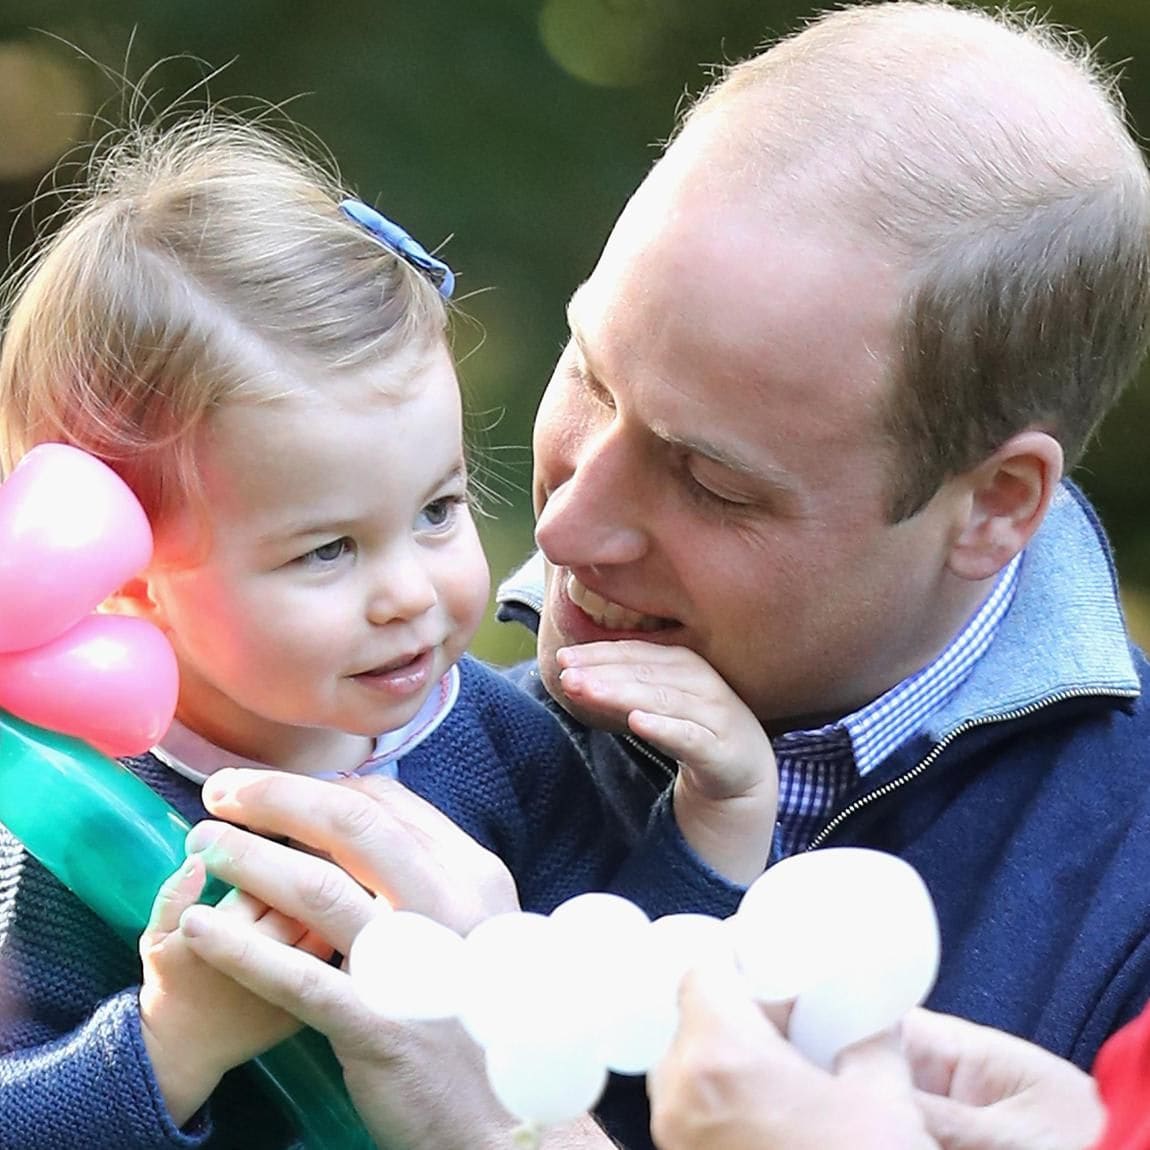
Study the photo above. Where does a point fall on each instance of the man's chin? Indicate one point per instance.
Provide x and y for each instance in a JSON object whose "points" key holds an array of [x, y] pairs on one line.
{"points": [[587, 715]]}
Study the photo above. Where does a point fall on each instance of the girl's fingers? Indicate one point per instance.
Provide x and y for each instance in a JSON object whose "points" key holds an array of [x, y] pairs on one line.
{"points": [[179, 891]]}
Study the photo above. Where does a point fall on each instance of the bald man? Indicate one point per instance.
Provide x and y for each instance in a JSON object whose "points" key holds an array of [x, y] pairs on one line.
{"points": [[813, 420]]}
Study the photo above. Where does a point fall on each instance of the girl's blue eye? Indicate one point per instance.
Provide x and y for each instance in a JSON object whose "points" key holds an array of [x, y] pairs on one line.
{"points": [[436, 513], [439, 513], [329, 552]]}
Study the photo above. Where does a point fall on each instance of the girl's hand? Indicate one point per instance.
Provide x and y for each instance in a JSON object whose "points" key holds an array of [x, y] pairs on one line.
{"points": [[726, 793], [198, 1023]]}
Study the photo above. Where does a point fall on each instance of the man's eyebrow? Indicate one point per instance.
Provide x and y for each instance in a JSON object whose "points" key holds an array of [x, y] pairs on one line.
{"points": [[705, 449], [723, 456]]}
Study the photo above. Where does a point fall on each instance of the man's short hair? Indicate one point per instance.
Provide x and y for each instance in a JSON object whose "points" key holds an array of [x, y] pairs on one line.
{"points": [[990, 156]]}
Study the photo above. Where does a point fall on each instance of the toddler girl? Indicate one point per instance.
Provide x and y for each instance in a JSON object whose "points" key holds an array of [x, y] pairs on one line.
{"points": [[263, 359]]}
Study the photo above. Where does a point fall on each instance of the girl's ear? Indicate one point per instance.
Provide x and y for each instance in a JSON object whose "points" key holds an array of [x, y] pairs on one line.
{"points": [[1008, 497], [134, 598]]}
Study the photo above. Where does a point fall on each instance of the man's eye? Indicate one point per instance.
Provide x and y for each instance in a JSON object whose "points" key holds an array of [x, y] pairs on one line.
{"points": [[598, 392], [591, 386], [701, 493]]}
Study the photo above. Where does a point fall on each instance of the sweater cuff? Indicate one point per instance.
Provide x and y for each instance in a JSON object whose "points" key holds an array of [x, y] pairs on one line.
{"points": [[198, 1129], [93, 1086], [663, 875]]}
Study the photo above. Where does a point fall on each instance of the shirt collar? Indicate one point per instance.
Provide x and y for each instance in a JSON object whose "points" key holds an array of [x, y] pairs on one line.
{"points": [[878, 729], [881, 727], [196, 758], [1064, 636]]}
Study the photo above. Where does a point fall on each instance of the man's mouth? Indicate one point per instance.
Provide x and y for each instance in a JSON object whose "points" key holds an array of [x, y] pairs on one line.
{"points": [[610, 616]]}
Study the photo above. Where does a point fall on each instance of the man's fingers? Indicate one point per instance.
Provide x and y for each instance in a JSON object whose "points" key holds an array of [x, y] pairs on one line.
{"points": [[391, 840], [718, 1019], [245, 908], [880, 1064], [304, 887], [312, 943], [957, 1126], [378, 831], [336, 821], [725, 1053], [293, 979], [985, 1089], [935, 1045]]}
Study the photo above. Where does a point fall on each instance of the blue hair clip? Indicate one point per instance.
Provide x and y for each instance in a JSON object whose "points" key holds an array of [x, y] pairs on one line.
{"points": [[395, 239]]}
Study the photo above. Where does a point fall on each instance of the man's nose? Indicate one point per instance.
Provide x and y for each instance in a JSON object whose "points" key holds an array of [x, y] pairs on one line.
{"points": [[594, 515], [402, 587]]}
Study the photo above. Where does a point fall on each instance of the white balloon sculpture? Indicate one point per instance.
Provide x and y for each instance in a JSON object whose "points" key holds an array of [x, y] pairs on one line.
{"points": [[556, 1001]]}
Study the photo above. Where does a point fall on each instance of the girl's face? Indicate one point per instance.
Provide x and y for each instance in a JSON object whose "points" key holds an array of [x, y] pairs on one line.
{"points": [[340, 574]]}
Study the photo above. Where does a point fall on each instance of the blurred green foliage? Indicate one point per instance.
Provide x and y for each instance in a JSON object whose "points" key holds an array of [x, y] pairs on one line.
{"points": [[511, 131]]}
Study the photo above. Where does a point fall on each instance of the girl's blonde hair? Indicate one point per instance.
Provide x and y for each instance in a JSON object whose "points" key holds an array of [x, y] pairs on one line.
{"points": [[206, 261]]}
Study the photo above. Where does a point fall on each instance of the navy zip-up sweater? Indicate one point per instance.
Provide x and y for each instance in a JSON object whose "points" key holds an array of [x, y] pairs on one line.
{"points": [[1025, 807]]}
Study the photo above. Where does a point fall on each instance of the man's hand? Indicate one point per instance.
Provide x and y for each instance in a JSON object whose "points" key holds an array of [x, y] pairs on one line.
{"points": [[982, 1089], [389, 839], [726, 793], [731, 1081], [422, 1085]]}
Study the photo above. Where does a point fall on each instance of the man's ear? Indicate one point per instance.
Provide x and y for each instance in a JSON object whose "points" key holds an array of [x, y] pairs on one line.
{"points": [[1008, 497]]}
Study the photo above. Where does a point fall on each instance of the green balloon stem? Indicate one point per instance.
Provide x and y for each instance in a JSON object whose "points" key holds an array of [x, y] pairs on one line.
{"points": [[112, 841]]}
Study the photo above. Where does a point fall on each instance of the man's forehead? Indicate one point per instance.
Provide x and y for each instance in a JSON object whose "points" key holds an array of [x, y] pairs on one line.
{"points": [[722, 438], [575, 306], [708, 351]]}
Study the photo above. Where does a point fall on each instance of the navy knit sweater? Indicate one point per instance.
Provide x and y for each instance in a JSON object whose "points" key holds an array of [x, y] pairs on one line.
{"points": [[73, 1068]]}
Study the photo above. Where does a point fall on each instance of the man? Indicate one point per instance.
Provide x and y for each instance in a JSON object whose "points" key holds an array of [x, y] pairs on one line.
{"points": [[821, 390]]}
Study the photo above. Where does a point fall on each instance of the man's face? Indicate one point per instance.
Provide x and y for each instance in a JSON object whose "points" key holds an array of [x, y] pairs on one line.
{"points": [[710, 462]]}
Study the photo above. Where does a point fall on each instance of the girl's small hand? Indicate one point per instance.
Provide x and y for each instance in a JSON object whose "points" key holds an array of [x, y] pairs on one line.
{"points": [[198, 1023], [726, 793]]}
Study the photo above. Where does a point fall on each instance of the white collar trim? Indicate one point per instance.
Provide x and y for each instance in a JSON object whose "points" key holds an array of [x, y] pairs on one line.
{"points": [[196, 758]]}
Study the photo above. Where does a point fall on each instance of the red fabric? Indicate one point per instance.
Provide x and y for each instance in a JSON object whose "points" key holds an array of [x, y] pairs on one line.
{"points": [[1122, 1071]]}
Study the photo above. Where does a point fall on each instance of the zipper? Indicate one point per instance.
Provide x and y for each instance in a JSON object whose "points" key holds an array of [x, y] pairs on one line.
{"points": [[935, 751], [577, 731], [653, 757]]}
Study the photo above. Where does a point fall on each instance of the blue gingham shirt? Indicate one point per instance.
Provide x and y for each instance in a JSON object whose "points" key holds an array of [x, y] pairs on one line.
{"points": [[818, 769]]}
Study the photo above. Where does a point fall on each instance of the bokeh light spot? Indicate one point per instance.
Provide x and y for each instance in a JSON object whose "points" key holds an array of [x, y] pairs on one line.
{"points": [[609, 43], [44, 108]]}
